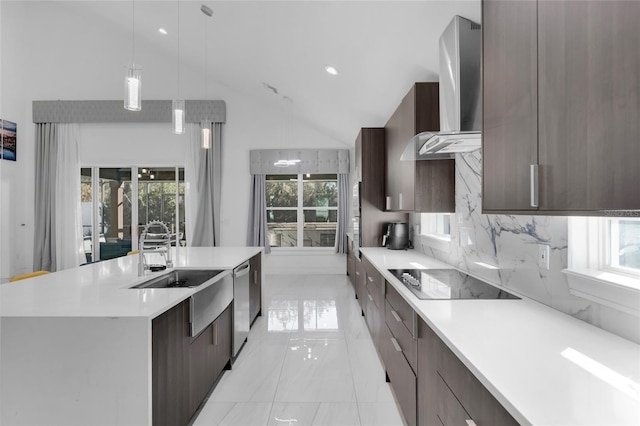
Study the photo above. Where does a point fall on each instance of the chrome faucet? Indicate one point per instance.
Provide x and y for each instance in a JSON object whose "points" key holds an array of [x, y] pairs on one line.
{"points": [[160, 243]]}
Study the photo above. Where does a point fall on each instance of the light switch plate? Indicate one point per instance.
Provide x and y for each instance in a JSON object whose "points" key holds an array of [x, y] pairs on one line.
{"points": [[543, 256]]}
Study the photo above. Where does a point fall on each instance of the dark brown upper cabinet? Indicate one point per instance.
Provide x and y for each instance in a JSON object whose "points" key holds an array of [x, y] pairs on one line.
{"points": [[510, 122], [417, 186], [370, 169], [561, 82]]}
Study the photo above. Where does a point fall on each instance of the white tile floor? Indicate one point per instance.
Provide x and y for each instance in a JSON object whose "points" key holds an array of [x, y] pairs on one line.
{"points": [[309, 360]]}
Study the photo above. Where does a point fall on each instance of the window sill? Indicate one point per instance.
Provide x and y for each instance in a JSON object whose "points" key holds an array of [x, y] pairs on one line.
{"points": [[606, 288], [436, 241], [306, 251]]}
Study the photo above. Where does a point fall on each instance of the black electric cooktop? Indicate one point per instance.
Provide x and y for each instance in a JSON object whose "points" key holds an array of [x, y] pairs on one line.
{"points": [[447, 284]]}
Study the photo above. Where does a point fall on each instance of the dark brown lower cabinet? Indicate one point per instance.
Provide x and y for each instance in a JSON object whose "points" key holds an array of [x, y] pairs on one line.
{"points": [[448, 409], [222, 349], [401, 377], [185, 368], [351, 262], [448, 391], [169, 370], [374, 319], [361, 287], [209, 352], [374, 312]]}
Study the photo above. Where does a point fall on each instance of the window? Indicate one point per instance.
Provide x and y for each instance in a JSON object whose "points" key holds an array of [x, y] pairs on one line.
{"points": [[622, 250], [302, 210], [435, 224], [604, 261]]}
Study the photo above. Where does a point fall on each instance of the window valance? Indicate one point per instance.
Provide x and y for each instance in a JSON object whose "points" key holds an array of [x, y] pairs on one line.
{"points": [[153, 111], [294, 161]]}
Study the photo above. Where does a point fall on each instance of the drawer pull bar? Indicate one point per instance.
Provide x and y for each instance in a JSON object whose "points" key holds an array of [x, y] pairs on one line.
{"points": [[215, 333], [396, 316], [357, 273], [470, 422], [370, 279], [370, 298], [396, 344]]}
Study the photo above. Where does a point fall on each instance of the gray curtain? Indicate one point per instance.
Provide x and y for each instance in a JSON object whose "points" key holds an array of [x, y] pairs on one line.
{"points": [[44, 247], [257, 232], [206, 230], [343, 213]]}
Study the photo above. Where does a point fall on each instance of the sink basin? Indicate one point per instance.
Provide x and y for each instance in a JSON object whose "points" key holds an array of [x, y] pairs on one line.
{"points": [[177, 278]]}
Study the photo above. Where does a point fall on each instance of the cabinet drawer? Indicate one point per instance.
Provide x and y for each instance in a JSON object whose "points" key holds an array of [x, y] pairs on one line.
{"points": [[401, 376], [374, 320], [361, 288], [402, 309], [406, 341], [449, 410], [474, 397], [374, 282]]}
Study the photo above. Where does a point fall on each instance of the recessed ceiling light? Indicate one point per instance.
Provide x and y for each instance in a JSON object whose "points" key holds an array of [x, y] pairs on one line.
{"points": [[331, 69], [162, 31]]}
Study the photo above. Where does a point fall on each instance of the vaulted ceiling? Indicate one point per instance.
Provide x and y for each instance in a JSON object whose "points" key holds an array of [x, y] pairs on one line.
{"points": [[379, 47]]}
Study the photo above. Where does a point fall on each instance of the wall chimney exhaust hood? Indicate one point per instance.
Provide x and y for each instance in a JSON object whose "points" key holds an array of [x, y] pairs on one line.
{"points": [[460, 96]]}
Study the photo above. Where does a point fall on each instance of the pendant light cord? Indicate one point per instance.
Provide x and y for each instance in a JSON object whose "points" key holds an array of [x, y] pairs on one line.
{"points": [[178, 49], [206, 62], [133, 32]]}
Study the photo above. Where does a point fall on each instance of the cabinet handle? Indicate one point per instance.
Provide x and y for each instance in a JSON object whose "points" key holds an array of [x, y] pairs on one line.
{"points": [[370, 298], [533, 174], [215, 333], [388, 207], [415, 325], [396, 316], [396, 344], [255, 277], [400, 201], [470, 422], [357, 273], [370, 279]]}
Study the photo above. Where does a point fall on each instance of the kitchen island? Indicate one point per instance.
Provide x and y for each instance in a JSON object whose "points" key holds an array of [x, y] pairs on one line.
{"points": [[543, 366], [76, 345]]}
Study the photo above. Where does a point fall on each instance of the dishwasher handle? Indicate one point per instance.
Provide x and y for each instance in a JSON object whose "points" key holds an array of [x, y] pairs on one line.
{"points": [[241, 270]]}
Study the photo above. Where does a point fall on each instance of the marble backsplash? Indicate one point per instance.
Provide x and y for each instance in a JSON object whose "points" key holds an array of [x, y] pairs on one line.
{"points": [[503, 250]]}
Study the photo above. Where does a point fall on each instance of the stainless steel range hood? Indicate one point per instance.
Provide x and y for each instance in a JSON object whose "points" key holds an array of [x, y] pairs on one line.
{"points": [[460, 96]]}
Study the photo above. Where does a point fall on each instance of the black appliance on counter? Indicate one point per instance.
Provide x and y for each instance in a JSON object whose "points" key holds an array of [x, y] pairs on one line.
{"points": [[447, 284], [397, 236]]}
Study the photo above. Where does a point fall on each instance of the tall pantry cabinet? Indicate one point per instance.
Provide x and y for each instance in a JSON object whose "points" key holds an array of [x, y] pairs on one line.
{"points": [[370, 170]]}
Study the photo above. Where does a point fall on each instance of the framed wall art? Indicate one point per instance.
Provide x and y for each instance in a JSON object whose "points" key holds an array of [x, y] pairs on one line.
{"points": [[8, 140]]}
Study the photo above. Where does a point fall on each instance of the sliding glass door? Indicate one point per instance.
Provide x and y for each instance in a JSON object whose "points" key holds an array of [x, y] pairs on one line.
{"points": [[158, 189], [116, 198]]}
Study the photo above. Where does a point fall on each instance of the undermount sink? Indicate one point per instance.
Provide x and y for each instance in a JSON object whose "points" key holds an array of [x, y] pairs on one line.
{"points": [[185, 278]]}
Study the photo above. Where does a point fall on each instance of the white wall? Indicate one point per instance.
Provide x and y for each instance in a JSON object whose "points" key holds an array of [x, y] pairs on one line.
{"points": [[36, 66], [15, 179]]}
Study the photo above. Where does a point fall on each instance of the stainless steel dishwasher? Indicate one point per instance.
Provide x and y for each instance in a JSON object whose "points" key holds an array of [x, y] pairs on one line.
{"points": [[240, 306]]}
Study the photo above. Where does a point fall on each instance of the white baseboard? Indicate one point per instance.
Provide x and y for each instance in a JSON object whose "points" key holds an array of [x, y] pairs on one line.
{"points": [[300, 264]]}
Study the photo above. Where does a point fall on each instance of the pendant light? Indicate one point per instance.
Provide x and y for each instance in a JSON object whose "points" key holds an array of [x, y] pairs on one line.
{"points": [[133, 74], [205, 126], [178, 116], [205, 134]]}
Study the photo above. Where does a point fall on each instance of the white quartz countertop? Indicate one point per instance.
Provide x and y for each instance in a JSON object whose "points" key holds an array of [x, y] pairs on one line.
{"points": [[543, 366], [102, 289]]}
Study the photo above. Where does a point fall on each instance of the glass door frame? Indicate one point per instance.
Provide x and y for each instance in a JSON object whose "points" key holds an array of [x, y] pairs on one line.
{"points": [[95, 203]]}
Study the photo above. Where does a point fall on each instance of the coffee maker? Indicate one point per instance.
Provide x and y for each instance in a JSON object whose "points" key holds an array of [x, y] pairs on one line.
{"points": [[396, 236]]}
